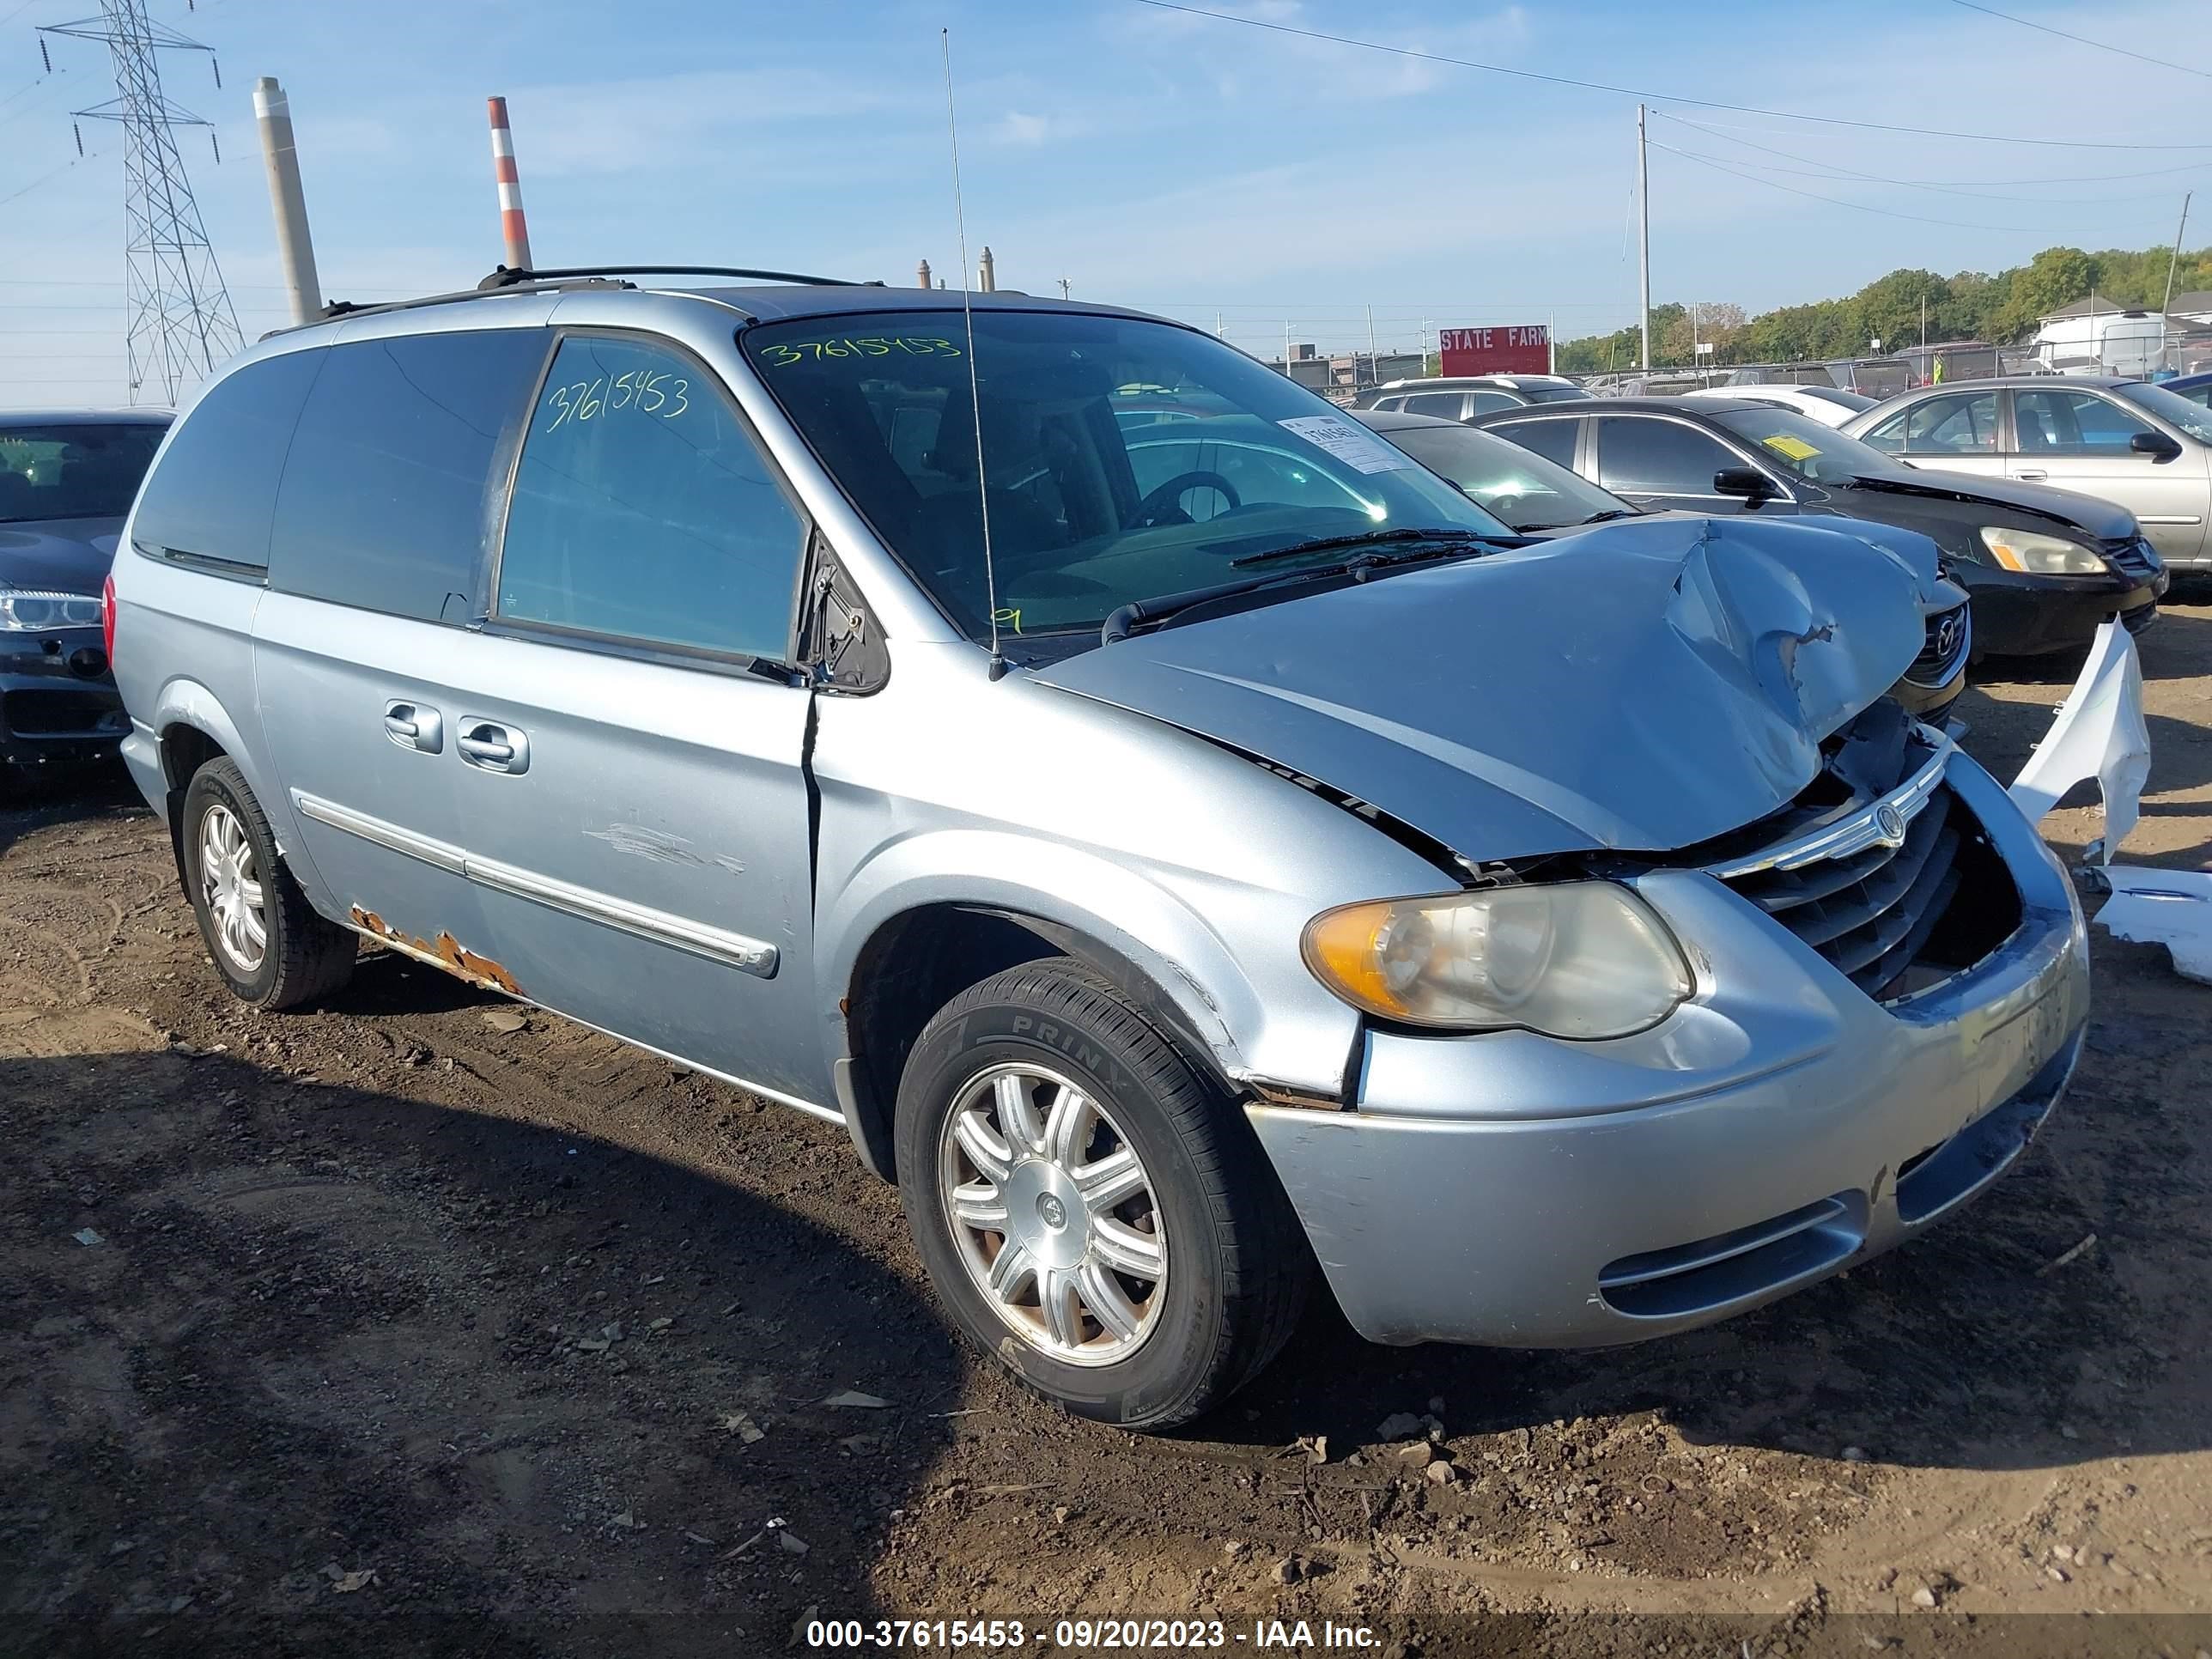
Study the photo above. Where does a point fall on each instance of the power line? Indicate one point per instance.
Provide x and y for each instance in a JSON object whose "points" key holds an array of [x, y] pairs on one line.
{"points": [[1721, 129], [1654, 97], [1836, 171], [2082, 40], [1837, 201]]}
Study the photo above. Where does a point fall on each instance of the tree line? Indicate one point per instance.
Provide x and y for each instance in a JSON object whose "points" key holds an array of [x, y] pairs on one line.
{"points": [[1971, 306]]}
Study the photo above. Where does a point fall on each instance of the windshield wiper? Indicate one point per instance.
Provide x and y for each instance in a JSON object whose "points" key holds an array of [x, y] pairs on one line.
{"points": [[1611, 514], [1363, 538], [1140, 613]]}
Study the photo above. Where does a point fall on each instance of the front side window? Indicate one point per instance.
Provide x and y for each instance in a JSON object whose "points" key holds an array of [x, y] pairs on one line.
{"points": [[1086, 512], [2058, 422], [388, 484], [643, 510], [1553, 440], [211, 499], [1656, 456], [73, 471]]}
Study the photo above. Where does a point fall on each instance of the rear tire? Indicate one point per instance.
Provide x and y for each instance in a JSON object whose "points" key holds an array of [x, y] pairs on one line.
{"points": [[1147, 1264], [269, 944]]}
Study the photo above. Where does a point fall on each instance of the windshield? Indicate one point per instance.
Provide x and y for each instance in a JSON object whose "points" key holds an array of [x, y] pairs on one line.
{"points": [[1122, 459], [2170, 407], [72, 471], [1818, 453], [1525, 489]]}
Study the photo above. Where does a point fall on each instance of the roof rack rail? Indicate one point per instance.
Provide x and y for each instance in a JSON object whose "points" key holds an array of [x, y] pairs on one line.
{"points": [[502, 276]]}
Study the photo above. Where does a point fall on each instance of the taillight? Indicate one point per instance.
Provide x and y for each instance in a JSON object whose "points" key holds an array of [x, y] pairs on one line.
{"points": [[107, 618]]}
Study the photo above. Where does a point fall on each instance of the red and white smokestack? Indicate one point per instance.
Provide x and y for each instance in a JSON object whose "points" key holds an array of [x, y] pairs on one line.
{"points": [[511, 223]]}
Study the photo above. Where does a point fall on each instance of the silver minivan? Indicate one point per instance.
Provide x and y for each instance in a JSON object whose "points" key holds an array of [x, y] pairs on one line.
{"points": [[1178, 876]]}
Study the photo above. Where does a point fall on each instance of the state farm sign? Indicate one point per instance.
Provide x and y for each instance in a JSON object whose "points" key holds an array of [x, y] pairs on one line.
{"points": [[1526, 349]]}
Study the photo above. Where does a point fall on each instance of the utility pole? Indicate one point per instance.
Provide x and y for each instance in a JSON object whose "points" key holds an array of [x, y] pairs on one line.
{"points": [[1064, 290], [287, 199], [1923, 322], [2175, 258], [1370, 339], [1643, 212], [1286, 345], [1551, 344], [181, 323]]}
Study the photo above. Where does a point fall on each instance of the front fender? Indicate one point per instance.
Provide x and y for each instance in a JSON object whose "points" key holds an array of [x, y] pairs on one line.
{"points": [[1149, 928]]}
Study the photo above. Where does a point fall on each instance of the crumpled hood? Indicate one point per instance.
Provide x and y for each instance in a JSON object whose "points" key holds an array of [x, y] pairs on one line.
{"points": [[65, 556], [1643, 687]]}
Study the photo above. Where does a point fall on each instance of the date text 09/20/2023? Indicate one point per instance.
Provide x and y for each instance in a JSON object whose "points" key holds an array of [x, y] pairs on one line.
{"points": [[1090, 1635]]}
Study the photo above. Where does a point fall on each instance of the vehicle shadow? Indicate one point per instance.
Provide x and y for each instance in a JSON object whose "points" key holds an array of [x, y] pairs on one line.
{"points": [[1982, 1345], [29, 800], [299, 1367]]}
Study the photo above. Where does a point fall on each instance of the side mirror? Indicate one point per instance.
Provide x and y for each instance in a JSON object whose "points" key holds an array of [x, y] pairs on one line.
{"points": [[1747, 481], [2156, 445]]}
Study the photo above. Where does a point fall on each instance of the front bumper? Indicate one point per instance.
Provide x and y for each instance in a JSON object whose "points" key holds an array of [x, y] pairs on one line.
{"points": [[1515, 1191], [2020, 616], [58, 704]]}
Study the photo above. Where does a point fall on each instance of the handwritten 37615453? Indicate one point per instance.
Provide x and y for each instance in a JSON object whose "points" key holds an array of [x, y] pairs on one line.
{"points": [[647, 391], [783, 355]]}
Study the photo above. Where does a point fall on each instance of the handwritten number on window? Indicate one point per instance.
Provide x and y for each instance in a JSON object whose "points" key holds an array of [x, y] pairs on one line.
{"points": [[648, 391]]}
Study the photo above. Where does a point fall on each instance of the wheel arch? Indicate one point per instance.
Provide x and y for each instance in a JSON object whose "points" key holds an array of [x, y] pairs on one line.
{"points": [[916, 961]]}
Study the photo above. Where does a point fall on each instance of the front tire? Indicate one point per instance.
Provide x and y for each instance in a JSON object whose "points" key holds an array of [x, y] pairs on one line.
{"points": [[1091, 1206], [266, 941]]}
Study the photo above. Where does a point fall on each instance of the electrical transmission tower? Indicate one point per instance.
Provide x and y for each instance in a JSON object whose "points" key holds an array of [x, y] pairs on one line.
{"points": [[181, 323]]}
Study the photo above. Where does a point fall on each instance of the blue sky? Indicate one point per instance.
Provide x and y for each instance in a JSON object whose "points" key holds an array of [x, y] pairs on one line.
{"points": [[1167, 161]]}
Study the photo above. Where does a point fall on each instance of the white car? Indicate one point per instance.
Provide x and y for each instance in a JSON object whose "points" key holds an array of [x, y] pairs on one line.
{"points": [[1825, 404]]}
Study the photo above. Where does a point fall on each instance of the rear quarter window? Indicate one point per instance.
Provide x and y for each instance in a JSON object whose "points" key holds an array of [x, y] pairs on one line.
{"points": [[211, 496], [386, 499]]}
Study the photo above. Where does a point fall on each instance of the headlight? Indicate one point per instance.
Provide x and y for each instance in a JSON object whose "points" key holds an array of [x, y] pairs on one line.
{"points": [[2040, 555], [32, 610], [1570, 959]]}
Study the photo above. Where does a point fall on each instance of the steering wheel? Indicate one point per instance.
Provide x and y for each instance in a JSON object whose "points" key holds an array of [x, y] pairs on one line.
{"points": [[1167, 498]]}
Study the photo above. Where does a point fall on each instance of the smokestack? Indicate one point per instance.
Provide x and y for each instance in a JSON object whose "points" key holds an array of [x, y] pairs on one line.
{"points": [[512, 226], [986, 274], [921, 271], [295, 246]]}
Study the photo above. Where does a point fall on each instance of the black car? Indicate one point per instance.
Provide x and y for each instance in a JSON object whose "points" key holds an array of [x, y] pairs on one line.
{"points": [[1716, 455], [66, 481], [1538, 498]]}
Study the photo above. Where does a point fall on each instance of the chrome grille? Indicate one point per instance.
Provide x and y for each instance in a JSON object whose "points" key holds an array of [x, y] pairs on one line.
{"points": [[1868, 889]]}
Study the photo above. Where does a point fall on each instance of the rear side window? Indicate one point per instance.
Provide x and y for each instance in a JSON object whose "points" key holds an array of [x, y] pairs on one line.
{"points": [[643, 509], [1553, 440], [211, 499], [1443, 405], [385, 503]]}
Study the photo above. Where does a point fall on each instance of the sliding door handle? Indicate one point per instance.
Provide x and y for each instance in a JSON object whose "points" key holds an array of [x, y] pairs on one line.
{"points": [[491, 747]]}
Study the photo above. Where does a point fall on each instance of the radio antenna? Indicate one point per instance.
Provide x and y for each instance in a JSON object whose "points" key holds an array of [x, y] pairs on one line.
{"points": [[975, 388]]}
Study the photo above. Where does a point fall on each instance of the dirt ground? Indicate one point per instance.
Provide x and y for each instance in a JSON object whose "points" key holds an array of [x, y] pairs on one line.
{"points": [[383, 1330]]}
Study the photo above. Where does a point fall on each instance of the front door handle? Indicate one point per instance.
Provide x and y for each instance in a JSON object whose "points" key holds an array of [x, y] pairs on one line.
{"points": [[2032, 475], [493, 747], [411, 725]]}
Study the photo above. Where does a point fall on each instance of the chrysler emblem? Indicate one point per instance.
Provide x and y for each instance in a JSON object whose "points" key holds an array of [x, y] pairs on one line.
{"points": [[1889, 823]]}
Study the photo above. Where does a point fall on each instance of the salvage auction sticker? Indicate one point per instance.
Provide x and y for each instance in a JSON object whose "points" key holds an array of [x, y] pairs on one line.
{"points": [[1354, 446]]}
